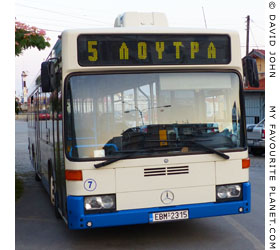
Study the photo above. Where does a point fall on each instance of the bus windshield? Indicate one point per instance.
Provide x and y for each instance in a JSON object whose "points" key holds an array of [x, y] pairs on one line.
{"points": [[151, 114]]}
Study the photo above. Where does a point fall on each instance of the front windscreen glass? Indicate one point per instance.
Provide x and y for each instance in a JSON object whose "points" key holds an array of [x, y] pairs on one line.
{"points": [[151, 114]]}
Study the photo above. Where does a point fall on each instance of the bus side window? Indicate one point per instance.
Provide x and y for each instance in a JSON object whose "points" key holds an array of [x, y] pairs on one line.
{"points": [[30, 119], [59, 115], [48, 118], [42, 115]]}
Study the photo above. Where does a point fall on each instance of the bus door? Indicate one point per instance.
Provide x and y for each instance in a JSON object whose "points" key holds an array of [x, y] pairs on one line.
{"points": [[58, 152], [37, 160]]}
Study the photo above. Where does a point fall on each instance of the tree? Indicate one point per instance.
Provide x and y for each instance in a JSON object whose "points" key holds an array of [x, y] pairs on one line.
{"points": [[27, 37]]}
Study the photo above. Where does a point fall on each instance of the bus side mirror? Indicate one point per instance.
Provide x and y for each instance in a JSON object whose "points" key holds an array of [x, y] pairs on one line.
{"points": [[251, 72], [48, 76]]}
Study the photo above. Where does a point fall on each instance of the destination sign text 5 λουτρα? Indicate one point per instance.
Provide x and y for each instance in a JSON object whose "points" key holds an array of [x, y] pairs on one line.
{"points": [[131, 49]]}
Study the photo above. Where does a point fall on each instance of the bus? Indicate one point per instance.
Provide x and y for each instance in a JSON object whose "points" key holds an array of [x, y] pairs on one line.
{"points": [[142, 123]]}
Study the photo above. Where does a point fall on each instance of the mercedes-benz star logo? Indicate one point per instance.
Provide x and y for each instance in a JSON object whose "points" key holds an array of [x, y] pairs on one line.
{"points": [[167, 197]]}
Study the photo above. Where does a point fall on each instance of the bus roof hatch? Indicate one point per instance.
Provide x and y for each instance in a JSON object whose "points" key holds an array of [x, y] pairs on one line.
{"points": [[138, 19]]}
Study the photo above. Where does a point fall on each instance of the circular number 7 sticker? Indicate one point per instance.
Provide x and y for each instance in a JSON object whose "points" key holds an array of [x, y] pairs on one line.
{"points": [[90, 184]]}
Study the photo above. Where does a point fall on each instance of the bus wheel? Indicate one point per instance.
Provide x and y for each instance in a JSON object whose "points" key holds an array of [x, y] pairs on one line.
{"points": [[37, 178], [29, 150], [32, 157], [52, 190], [53, 197]]}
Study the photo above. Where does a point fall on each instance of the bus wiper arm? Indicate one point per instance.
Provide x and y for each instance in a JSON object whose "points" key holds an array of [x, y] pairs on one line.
{"points": [[208, 148], [198, 144], [132, 153], [126, 156], [105, 163]]}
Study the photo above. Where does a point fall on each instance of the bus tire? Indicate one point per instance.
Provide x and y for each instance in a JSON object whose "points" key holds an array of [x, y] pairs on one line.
{"points": [[29, 150], [32, 155], [53, 194], [37, 178]]}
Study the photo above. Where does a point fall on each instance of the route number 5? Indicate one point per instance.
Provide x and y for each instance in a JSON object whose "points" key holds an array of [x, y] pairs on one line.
{"points": [[91, 49]]}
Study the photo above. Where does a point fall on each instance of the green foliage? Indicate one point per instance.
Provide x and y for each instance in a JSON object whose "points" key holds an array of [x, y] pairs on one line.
{"points": [[27, 37]]}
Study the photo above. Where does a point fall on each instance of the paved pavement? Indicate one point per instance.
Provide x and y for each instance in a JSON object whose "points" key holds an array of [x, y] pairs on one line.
{"points": [[37, 228]]}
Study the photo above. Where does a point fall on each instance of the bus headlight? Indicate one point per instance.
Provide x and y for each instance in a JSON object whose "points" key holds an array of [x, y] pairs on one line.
{"points": [[229, 192], [221, 192], [100, 202]]}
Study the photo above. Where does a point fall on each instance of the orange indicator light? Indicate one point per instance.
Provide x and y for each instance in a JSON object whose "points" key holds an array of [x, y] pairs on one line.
{"points": [[246, 163], [73, 175]]}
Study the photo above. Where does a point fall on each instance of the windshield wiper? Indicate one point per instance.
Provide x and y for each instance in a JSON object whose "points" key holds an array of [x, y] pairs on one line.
{"points": [[221, 154], [132, 153], [105, 163], [126, 156]]}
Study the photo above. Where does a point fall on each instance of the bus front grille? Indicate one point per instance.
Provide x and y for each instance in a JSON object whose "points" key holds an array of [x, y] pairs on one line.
{"points": [[166, 171]]}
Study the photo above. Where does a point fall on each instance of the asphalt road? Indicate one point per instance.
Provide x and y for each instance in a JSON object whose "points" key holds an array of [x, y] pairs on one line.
{"points": [[37, 228]]}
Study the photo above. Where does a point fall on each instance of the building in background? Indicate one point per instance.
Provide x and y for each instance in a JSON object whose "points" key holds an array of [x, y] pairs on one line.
{"points": [[255, 97], [24, 92]]}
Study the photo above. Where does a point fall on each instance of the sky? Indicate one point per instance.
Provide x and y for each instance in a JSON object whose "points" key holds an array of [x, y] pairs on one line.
{"points": [[55, 16]]}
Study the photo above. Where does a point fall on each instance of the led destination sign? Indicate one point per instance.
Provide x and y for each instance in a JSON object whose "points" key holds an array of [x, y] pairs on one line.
{"points": [[98, 50]]}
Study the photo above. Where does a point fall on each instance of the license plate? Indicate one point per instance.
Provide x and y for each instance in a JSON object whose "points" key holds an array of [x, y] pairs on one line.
{"points": [[169, 216]]}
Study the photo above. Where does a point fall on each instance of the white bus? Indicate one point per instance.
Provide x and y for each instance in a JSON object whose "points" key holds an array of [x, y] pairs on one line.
{"points": [[132, 125]]}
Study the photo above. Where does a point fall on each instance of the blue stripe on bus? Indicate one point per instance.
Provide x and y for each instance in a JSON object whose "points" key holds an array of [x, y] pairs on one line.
{"points": [[78, 220]]}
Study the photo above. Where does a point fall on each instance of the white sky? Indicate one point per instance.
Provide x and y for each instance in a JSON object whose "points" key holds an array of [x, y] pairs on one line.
{"points": [[55, 16]]}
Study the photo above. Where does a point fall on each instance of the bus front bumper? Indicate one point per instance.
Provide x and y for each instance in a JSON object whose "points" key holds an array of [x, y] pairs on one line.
{"points": [[77, 219]]}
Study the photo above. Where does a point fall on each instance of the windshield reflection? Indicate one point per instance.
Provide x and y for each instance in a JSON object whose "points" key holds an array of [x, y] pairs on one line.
{"points": [[152, 113]]}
